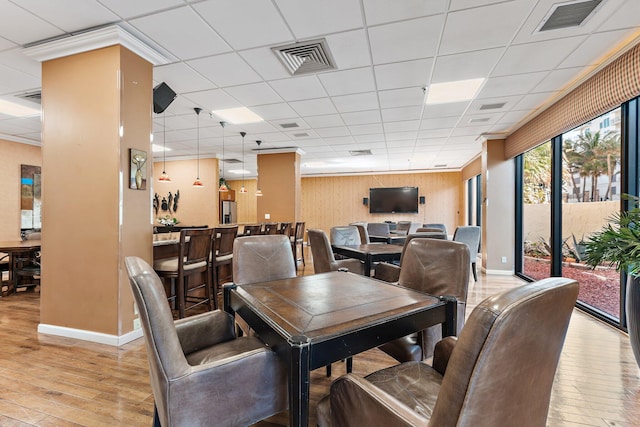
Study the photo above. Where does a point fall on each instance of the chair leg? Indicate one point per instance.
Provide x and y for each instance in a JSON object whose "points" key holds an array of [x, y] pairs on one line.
{"points": [[329, 370], [156, 418], [302, 252], [349, 365], [473, 268], [180, 296], [212, 300]]}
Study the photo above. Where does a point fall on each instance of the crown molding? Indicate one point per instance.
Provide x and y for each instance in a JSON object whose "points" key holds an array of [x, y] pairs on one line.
{"points": [[96, 39]]}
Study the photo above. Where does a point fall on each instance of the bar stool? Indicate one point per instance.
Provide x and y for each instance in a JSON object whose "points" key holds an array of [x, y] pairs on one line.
{"points": [[223, 255], [193, 258]]}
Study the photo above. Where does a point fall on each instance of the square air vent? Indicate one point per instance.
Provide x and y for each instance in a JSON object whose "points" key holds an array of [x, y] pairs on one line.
{"points": [[568, 14], [289, 125], [231, 161], [495, 106], [301, 135], [443, 165], [305, 57], [35, 96], [360, 152], [479, 120]]}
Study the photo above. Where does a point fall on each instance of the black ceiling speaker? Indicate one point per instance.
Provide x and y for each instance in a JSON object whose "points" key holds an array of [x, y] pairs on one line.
{"points": [[163, 95]]}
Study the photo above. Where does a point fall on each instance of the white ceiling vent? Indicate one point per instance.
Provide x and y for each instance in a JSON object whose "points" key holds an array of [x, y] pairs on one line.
{"points": [[568, 14], [231, 161], [479, 120], [495, 106], [33, 96], [305, 57], [360, 152], [289, 125]]}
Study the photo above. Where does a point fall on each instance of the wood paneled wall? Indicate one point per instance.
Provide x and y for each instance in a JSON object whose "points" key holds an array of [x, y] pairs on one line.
{"points": [[337, 200]]}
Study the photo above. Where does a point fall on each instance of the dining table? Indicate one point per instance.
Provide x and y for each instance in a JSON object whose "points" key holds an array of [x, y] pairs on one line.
{"points": [[14, 248], [312, 321], [391, 238], [369, 253]]}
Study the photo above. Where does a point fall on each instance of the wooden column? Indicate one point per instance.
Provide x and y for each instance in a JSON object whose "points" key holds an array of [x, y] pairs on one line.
{"points": [[279, 180], [96, 107]]}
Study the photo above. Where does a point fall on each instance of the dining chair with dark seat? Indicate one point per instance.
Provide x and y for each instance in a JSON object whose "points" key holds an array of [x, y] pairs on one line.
{"points": [[378, 229], [200, 371], [270, 228], [298, 239], [499, 372], [251, 230], [436, 267], [323, 258], [390, 271], [470, 235], [222, 255], [284, 228], [193, 259]]}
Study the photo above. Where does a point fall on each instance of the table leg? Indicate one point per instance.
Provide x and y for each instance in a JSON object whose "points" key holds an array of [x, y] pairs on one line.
{"points": [[450, 326], [367, 265], [299, 382]]}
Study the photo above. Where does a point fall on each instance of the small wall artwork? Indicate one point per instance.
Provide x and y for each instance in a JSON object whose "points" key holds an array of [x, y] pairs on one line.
{"points": [[138, 171]]}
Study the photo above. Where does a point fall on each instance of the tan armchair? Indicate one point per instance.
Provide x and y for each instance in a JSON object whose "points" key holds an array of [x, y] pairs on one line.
{"points": [[200, 372], [323, 259], [498, 373], [437, 267]]}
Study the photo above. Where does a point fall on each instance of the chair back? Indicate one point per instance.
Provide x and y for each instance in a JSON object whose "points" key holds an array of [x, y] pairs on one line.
{"points": [[470, 235], [502, 368], [345, 235], [299, 232], [271, 228], [251, 230], [403, 227], [362, 230], [225, 237], [431, 230], [262, 258], [378, 228], [437, 226], [284, 228], [430, 235], [321, 251], [198, 249], [166, 358]]}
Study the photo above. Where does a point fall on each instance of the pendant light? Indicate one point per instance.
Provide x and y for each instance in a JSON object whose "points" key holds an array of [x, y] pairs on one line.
{"points": [[258, 191], [164, 177], [223, 185], [197, 182], [243, 190]]}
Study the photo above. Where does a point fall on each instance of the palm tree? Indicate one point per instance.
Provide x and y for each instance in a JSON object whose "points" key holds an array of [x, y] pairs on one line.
{"points": [[537, 174]]}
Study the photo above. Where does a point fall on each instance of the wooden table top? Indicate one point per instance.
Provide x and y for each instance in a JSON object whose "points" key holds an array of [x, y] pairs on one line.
{"points": [[19, 245], [322, 305], [372, 248]]}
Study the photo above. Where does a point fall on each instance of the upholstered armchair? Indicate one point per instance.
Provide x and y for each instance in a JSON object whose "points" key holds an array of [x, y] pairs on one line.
{"points": [[437, 267], [200, 372], [262, 258], [498, 373], [323, 259], [345, 235]]}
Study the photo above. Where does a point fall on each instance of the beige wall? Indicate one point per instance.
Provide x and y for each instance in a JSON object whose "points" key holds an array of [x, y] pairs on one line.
{"points": [[246, 203], [330, 201], [197, 205], [279, 176], [12, 155]]}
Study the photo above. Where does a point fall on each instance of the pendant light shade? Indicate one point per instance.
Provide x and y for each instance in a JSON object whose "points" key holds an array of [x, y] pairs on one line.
{"points": [[164, 176], [258, 191], [223, 184], [243, 190], [198, 182]]}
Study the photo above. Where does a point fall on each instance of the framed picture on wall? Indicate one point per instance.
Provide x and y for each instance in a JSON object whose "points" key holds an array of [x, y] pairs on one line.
{"points": [[138, 170]]}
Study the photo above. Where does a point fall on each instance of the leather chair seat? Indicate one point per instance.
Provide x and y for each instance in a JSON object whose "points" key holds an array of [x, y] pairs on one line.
{"points": [[171, 264], [225, 352], [405, 348]]}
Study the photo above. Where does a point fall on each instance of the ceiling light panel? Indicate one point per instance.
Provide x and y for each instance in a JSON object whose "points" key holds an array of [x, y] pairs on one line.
{"points": [[456, 91], [238, 116]]}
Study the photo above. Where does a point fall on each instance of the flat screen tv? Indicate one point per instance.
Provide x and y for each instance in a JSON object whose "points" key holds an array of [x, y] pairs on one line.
{"points": [[393, 200]]}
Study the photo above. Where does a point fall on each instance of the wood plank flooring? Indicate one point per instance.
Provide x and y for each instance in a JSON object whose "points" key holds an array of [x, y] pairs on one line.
{"points": [[53, 381]]}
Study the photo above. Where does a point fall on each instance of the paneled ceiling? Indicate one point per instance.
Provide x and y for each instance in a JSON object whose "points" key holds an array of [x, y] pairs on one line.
{"points": [[387, 55]]}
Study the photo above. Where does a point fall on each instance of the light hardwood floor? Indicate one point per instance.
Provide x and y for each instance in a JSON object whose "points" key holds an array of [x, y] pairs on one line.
{"points": [[52, 381]]}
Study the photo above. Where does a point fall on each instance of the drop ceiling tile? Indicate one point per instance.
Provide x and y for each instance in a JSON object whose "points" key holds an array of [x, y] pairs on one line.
{"points": [[533, 101], [225, 70], [215, 99], [362, 117], [345, 82], [406, 40], [368, 137], [625, 16], [255, 128], [532, 57], [357, 102], [310, 19], [463, 66], [368, 129], [510, 85], [85, 14], [349, 49], [383, 11], [298, 88], [324, 121], [338, 140], [452, 109], [265, 63], [334, 132], [182, 32], [482, 27], [403, 74], [313, 107], [254, 94], [245, 23], [558, 79], [472, 131], [401, 114], [274, 111], [508, 101], [434, 133], [408, 125], [17, 81], [20, 26], [466, 4], [401, 136], [439, 123], [514, 116], [128, 9], [6, 44], [401, 97], [181, 78], [300, 122], [594, 48]]}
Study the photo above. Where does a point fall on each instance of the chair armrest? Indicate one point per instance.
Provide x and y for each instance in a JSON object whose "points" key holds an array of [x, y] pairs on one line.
{"points": [[205, 330], [387, 272], [442, 353], [354, 401]]}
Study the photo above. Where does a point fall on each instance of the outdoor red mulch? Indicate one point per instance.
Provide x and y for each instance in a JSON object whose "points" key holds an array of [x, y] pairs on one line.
{"points": [[599, 288]]}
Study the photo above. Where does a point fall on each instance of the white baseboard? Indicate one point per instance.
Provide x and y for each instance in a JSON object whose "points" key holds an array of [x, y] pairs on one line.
{"points": [[97, 337], [499, 272]]}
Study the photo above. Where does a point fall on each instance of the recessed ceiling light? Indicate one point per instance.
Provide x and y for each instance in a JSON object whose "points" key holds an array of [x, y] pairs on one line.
{"points": [[238, 116], [159, 148], [17, 110], [461, 90]]}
